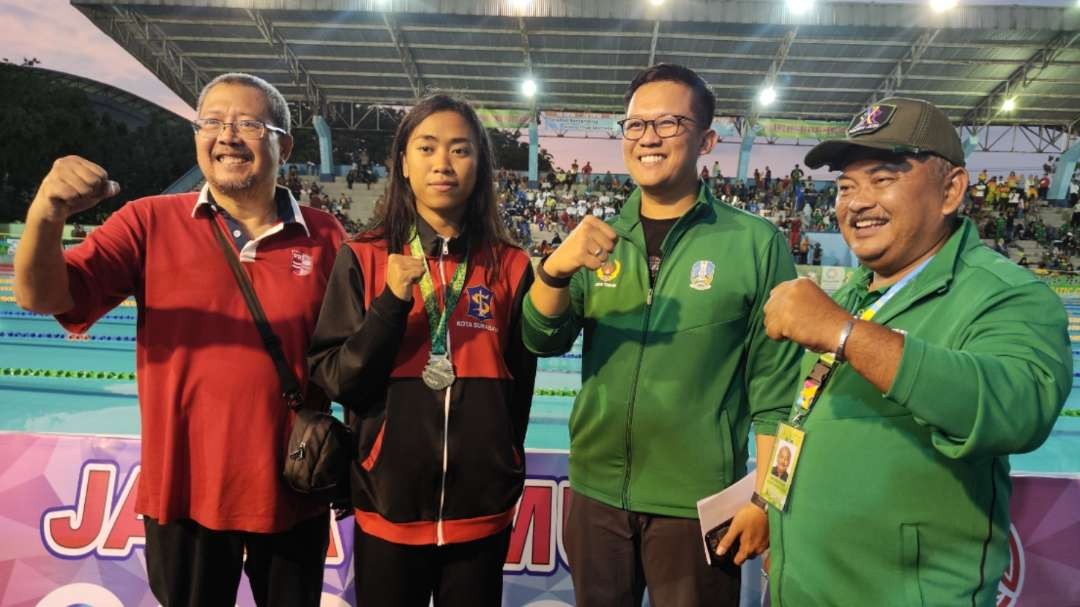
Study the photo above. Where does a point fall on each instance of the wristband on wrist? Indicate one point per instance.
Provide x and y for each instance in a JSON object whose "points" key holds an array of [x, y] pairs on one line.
{"points": [[548, 279], [759, 501], [845, 333]]}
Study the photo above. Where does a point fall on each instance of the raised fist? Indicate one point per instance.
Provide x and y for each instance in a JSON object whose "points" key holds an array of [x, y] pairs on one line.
{"points": [[73, 184], [402, 272]]}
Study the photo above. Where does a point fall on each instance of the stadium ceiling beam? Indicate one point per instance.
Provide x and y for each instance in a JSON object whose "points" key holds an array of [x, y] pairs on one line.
{"points": [[669, 35], [647, 34], [412, 72], [589, 66], [721, 71], [606, 68], [557, 105], [652, 43], [616, 98], [792, 99], [985, 111], [525, 49], [777, 65], [628, 52], [936, 92], [745, 13], [801, 58], [903, 68], [153, 48], [300, 75]]}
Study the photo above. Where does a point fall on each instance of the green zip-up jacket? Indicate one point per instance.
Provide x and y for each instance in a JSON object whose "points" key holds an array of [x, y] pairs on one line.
{"points": [[902, 499], [673, 376]]}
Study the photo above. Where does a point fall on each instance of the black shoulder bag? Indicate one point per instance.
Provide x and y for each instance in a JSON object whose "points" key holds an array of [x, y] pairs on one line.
{"points": [[321, 447]]}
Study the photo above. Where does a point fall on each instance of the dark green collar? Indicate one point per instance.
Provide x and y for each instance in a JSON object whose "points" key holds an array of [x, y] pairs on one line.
{"points": [[939, 273], [628, 222], [630, 217]]}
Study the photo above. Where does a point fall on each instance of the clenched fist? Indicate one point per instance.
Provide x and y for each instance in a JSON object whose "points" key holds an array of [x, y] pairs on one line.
{"points": [[798, 310], [73, 184], [402, 272], [587, 246]]}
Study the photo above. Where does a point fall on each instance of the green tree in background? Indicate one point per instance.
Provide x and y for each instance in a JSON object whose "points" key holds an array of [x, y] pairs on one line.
{"points": [[43, 118], [513, 154]]}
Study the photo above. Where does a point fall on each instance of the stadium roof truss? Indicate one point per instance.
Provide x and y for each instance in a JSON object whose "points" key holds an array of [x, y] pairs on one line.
{"points": [[329, 55]]}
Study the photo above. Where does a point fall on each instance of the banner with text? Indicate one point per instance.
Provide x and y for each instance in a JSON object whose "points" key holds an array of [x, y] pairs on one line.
{"points": [[779, 128], [72, 536]]}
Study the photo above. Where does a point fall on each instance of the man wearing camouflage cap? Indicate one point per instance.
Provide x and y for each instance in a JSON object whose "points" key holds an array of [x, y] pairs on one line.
{"points": [[933, 363]]}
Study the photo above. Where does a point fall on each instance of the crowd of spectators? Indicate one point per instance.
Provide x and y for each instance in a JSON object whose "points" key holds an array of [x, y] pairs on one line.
{"points": [[562, 197], [1006, 208], [310, 193], [361, 168]]}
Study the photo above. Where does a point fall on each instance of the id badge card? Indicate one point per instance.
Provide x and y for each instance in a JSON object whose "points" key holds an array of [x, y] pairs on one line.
{"points": [[782, 465]]}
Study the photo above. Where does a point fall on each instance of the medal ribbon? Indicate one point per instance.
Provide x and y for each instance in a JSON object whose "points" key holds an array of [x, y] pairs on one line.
{"points": [[826, 363], [438, 319]]}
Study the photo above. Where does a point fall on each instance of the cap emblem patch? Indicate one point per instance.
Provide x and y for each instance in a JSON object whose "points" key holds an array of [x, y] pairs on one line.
{"points": [[875, 117]]}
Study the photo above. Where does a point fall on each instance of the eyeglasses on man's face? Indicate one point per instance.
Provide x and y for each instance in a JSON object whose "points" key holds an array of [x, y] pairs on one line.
{"points": [[664, 126], [246, 129]]}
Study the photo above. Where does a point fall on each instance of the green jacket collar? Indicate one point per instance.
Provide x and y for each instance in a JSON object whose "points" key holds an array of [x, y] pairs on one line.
{"points": [[628, 222], [935, 278]]}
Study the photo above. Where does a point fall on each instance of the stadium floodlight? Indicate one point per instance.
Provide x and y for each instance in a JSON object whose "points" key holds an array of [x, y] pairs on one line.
{"points": [[767, 95], [1009, 104], [798, 7], [940, 6], [528, 88], [656, 2]]}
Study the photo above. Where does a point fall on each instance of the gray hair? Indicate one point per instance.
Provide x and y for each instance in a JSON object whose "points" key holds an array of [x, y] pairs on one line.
{"points": [[940, 167], [279, 109]]}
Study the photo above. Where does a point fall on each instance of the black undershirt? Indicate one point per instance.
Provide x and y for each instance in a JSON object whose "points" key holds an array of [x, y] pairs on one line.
{"points": [[655, 232]]}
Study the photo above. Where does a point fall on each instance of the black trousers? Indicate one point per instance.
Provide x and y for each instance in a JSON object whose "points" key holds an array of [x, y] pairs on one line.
{"points": [[456, 575], [615, 555], [191, 566]]}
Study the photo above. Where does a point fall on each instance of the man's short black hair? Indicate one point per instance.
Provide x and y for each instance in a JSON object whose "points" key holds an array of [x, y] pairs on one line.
{"points": [[704, 101]]}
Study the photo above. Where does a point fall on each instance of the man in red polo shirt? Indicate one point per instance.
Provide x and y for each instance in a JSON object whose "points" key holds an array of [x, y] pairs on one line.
{"points": [[213, 421]]}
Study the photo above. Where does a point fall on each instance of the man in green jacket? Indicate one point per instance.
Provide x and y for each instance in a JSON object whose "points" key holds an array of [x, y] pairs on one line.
{"points": [[676, 364], [942, 358]]}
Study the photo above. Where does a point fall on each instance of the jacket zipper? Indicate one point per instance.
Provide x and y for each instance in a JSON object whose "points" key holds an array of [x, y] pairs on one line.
{"points": [[634, 382], [641, 357], [441, 539]]}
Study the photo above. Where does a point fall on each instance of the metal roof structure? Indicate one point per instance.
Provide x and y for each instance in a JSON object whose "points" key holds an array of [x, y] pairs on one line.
{"points": [[329, 55]]}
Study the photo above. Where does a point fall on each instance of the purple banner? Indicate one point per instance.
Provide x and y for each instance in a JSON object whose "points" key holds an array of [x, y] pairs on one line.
{"points": [[1045, 543], [71, 535]]}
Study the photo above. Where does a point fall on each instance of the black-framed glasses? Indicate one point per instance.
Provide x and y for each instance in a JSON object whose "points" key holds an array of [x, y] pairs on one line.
{"points": [[665, 126], [246, 129]]}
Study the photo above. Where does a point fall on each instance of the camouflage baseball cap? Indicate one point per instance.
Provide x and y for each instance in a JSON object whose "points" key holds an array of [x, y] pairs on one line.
{"points": [[896, 124]]}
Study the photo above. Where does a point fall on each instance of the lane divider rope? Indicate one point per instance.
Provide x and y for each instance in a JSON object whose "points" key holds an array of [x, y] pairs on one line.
{"points": [[127, 303], [25, 314], [65, 373], [64, 336]]}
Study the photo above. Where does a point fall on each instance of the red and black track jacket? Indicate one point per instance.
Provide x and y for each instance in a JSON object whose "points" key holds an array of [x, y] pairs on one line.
{"points": [[428, 472]]}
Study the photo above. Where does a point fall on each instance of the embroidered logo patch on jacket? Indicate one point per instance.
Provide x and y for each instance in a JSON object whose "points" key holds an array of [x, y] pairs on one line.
{"points": [[301, 263], [480, 302]]}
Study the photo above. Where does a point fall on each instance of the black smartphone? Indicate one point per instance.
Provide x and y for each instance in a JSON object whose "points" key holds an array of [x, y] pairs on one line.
{"points": [[712, 540]]}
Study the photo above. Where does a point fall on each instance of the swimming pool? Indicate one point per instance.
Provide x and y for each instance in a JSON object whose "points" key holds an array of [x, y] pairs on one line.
{"points": [[100, 403]]}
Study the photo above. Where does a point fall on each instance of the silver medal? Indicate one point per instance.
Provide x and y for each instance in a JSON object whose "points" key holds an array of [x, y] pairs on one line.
{"points": [[438, 373]]}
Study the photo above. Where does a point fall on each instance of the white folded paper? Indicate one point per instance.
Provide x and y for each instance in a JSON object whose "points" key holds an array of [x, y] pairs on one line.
{"points": [[720, 508]]}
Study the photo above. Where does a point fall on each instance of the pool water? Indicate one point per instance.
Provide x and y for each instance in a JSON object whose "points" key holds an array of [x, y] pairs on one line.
{"points": [[109, 405]]}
